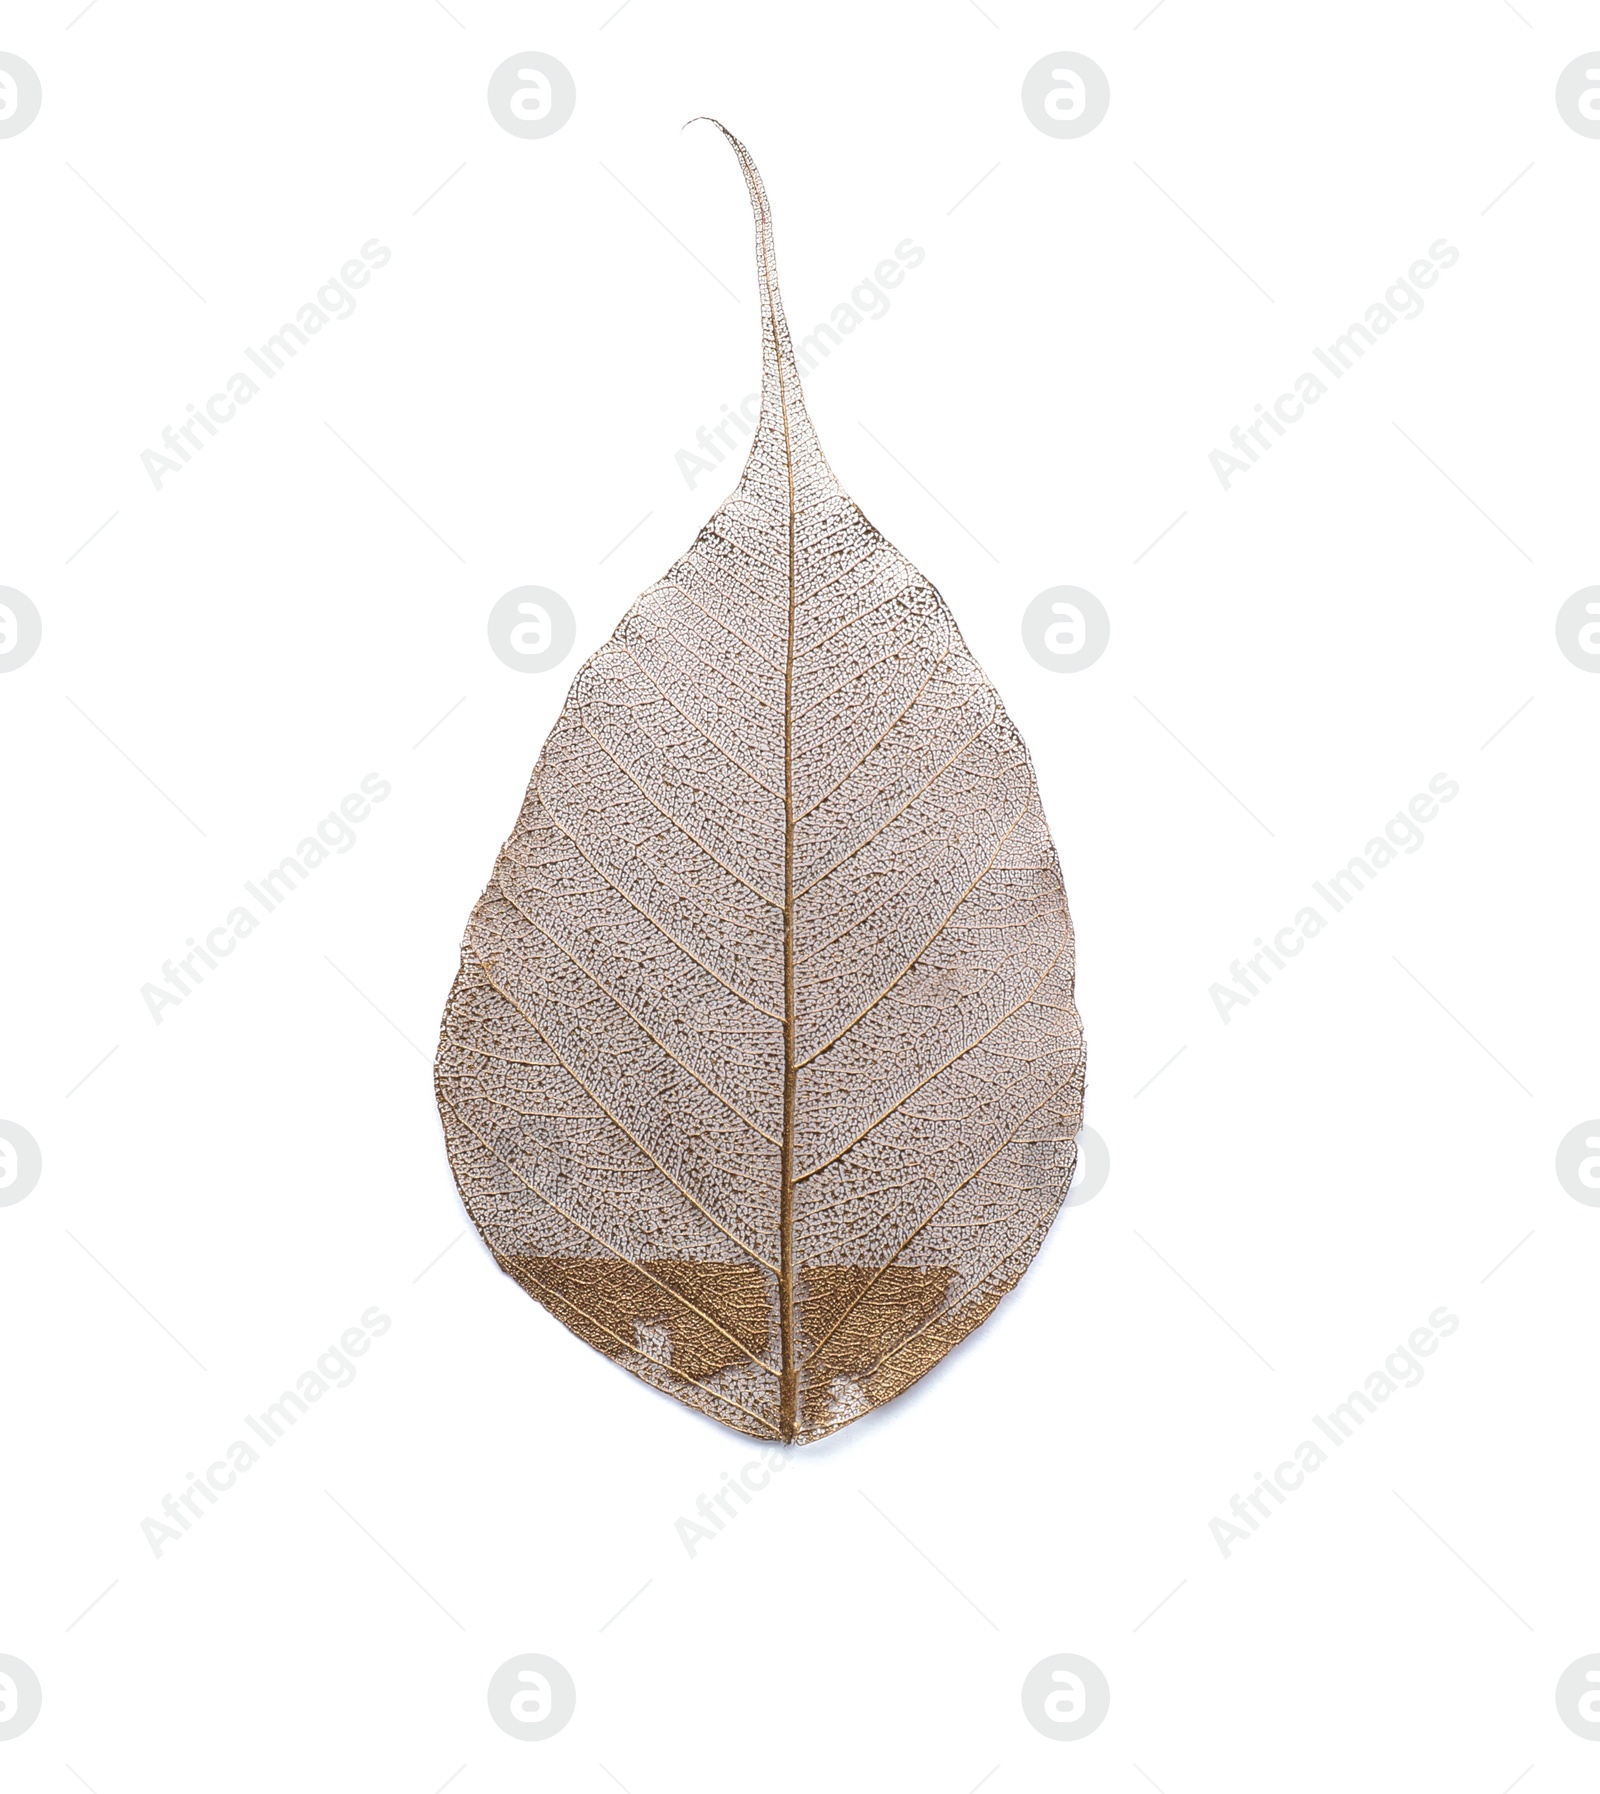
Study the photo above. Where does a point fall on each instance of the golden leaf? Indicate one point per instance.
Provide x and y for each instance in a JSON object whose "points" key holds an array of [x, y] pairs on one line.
{"points": [[762, 1070]]}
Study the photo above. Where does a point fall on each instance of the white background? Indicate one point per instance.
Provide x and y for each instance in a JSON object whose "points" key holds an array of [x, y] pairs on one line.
{"points": [[1299, 1188]]}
